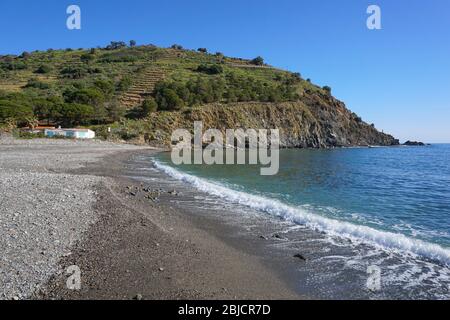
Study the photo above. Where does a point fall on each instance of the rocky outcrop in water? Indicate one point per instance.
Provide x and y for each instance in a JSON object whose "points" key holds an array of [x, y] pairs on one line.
{"points": [[414, 143]]}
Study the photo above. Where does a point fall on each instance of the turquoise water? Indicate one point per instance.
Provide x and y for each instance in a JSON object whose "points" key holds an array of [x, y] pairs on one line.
{"points": [[398, 197]]}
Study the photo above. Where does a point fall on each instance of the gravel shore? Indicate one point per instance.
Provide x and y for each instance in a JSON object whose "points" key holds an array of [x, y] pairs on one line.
{"points": [[44, 210], [66, 203]]}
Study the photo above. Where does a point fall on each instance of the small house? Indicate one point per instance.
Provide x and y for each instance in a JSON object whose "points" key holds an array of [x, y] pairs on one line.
{"points": [[70, 133]]}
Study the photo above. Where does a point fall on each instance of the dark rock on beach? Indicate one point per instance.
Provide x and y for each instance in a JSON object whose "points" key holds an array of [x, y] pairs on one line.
{"points": [[300, 256]]}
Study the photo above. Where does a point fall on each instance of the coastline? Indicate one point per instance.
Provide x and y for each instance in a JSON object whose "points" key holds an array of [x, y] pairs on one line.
{"points": [[140, 249], [136, 232]]}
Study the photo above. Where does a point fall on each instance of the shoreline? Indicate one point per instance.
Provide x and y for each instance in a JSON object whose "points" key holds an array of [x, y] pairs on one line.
{"points": [[140, 249], [136, 232]]}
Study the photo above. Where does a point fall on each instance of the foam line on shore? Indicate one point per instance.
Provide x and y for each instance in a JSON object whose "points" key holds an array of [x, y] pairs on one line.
{"points": [[382, 239]]}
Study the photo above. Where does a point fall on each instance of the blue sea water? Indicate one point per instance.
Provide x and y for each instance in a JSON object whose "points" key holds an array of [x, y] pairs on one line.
{"points": [[393, 198]]}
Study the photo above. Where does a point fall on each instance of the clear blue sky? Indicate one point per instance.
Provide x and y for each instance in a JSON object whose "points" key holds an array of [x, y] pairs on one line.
{"points": [[397, 77]]}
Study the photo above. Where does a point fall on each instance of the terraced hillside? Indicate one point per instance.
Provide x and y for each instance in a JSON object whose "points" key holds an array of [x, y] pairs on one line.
{"points": [[143, 92], [143, 86]]}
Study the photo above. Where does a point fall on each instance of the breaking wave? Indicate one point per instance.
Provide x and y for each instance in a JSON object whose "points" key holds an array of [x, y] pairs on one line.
{"points": [[335, 228]]}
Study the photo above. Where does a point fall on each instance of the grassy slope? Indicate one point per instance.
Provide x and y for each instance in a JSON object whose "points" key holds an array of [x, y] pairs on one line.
{"points": [[309, 122]]}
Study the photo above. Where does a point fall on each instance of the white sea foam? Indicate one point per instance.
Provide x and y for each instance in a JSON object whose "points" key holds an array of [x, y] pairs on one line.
{"points": [[359, 233]]}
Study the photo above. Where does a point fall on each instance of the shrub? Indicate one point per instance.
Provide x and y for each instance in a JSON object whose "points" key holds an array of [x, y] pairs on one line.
{"points": [[105, 86], [297, 75], [210, 69], [43, 69], [132, 43], [148, 106], [13, 65], [258, 61], [74, 72], [122, 56], [202, 50], [36, 84], [124, 84], [87, 57], [177, 47]]}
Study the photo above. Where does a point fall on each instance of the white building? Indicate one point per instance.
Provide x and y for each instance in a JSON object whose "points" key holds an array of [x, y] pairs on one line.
{"points": [[70, 133]]}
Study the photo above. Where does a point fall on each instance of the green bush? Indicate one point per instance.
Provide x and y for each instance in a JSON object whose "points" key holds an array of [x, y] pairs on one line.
{"points": [[167, 98], [72, 72], [43, 69], [148, 106], [36, 84], [13, 65], [121, 56], [105, 86], [87, 57], [210, 69], [258, 61], [124, 84]]}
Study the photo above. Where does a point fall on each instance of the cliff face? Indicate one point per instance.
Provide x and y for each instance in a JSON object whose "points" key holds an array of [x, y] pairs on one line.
{"points": [[317, 121]]}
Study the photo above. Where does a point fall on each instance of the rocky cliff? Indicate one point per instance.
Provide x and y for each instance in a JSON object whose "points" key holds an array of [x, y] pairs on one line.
{"points": [[317, 121]]}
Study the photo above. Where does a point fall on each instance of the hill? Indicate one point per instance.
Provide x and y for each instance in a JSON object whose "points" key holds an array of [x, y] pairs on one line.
{"points": [[144, 92]]}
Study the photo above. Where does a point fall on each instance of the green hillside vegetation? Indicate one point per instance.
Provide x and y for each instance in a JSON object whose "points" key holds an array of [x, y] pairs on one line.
{"points": [[90, 87], [142, 93]]}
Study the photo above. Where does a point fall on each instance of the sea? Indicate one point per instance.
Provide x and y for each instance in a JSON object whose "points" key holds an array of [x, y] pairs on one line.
{"points": [[369, 223]]}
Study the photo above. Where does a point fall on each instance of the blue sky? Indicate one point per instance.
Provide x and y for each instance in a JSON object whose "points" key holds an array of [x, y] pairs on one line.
{"points": [[397, 77]]}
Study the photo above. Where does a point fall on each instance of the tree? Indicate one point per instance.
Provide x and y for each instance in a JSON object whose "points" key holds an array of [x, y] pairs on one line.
{"points": [[25, 55], [258, 61], [177, 47], [75, 113], [89, 96], [132, 43], [202, 50], [327, 89], [15, 112], [43, 69], [116, 45], [167, 98]]}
